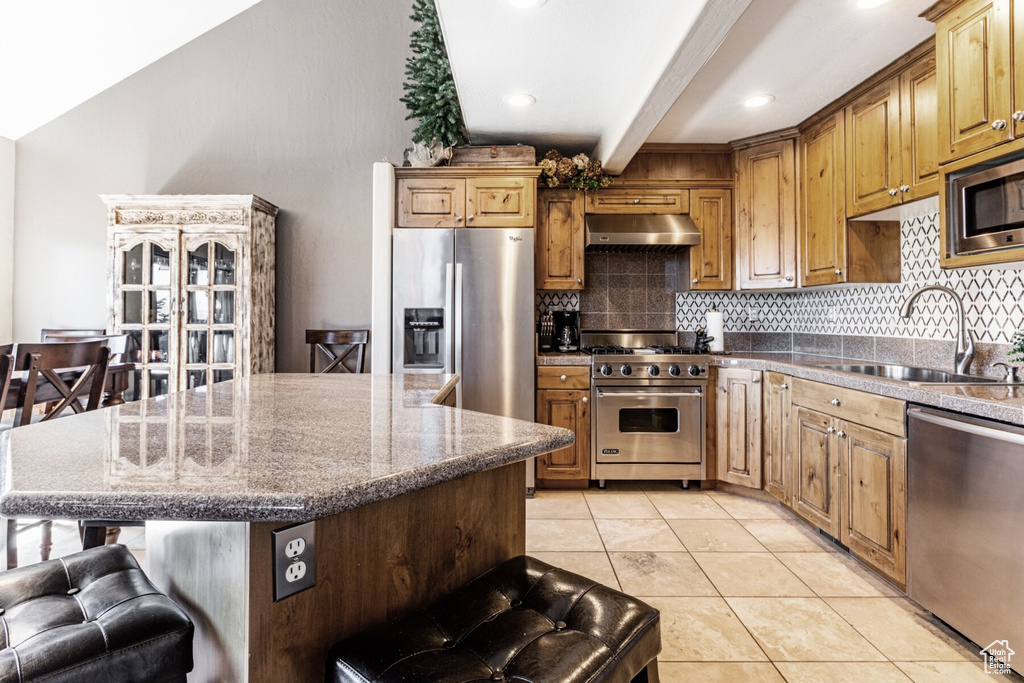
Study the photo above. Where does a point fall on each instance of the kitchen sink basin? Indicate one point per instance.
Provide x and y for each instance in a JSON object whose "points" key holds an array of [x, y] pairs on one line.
{"points": [[906, 373]]}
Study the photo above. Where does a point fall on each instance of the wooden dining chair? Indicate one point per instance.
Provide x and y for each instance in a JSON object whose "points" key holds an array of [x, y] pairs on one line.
{"points": [[337, 345], [76, 370]]}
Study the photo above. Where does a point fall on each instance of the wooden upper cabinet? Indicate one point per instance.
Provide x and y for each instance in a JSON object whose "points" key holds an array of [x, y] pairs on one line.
{"points": [[431, 202], [500, 202], [638, 200], [873, 150], [1017, 55], [738, 426], [711, 260], [559, 240], [766, 216], [973, 57], [919, 130], [822, 218]]}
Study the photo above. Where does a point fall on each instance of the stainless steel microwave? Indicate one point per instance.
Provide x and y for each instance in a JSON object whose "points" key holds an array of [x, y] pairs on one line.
{"points": [[986, 206]]}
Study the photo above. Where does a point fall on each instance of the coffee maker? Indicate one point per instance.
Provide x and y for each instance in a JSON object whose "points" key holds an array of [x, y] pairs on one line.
{"points": [[567, 331]]}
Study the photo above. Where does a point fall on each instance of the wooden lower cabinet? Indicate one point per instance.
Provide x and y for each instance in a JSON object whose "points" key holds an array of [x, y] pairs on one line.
{"points": [[816, 469], [873, 506], [850, 480], [738, 426], [777, 463], [568, 467]]}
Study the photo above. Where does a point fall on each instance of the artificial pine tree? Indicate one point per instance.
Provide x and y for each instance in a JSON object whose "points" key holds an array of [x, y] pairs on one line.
{"points": [[430, 92]]}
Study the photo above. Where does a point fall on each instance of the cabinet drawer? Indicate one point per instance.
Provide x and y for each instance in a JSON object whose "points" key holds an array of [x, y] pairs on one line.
{"points": [[563, 377], [879, 412], [655, 200]]}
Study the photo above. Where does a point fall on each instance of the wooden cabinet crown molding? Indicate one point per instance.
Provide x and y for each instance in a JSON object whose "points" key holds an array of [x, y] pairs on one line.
{"points": [[765, 139], [468, 172], [936, 11]]}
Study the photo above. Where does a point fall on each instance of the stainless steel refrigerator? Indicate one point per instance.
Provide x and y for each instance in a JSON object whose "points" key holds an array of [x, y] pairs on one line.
{"points": [[462, 302]]}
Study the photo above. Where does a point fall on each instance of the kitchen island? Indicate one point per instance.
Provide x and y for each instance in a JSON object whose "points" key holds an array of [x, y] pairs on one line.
{"points": [[410, 500]]}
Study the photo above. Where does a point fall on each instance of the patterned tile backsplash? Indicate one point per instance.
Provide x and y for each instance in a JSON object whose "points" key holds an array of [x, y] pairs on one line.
{"points": [[992, 298]]}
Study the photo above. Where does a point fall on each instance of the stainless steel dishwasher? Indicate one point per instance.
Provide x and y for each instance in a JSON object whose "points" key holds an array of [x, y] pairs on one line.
{"points": [[965, 523]]}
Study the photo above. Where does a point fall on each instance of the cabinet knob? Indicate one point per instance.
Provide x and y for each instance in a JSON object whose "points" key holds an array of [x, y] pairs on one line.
{"points": [[579, 281], [904, 188], [563, 378], [755, 380], [836, 402], [831, 430], [842, 434], [893, 192], [839, 271], [999, 124], [636, 201], [694, 280], [585, 399], [1018, 116], [458, 219], [789, 278], [470, 217], [783, 386]]}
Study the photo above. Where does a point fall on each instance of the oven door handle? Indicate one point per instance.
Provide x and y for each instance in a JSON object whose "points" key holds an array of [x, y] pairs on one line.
{"points": [[649, 394]]}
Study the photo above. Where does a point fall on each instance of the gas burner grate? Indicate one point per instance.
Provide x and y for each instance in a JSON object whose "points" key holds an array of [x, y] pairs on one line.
{"points": [[675, 350], [604, 349]]}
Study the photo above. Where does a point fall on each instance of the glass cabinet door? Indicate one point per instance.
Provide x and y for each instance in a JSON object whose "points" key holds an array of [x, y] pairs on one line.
{"points": [[145, 307], [210, 321]]}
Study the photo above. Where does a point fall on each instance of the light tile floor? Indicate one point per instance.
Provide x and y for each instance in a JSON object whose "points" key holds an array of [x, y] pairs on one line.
{"points": [[747, 592]]}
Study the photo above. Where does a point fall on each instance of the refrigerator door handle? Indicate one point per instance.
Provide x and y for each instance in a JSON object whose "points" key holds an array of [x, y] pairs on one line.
{"points": [[449, 315], [458, 319]]}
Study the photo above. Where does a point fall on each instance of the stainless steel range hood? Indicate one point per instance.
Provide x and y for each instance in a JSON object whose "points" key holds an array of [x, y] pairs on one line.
{"points": [[665, 233]]}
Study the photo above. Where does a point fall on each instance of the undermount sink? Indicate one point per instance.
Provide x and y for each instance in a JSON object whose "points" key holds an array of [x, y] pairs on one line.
{"points": [[906, 373]]}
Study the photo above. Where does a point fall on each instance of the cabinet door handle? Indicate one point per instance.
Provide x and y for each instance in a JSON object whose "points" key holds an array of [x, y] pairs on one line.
{"points": [[636, 201], [579, 281], [755, 380], [458, 219], [836, 402], [563, 378], [470, 217], [831, 430], [999, 124], [839, 271], [904, 188], [694, 281], [1018, 116], [585, 399], [789, 278], [784, 386], [893, 192], [842, 434]]}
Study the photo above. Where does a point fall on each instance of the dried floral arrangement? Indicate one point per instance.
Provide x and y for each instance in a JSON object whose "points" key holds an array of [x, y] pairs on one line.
{"points": [[578, 172]]}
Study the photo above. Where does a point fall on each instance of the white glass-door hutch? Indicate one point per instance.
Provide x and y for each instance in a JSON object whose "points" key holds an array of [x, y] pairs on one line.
{"points": [[192, 282]]}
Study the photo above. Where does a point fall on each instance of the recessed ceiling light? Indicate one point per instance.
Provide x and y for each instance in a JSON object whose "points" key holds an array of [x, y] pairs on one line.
{"points": [[868, 4], [758, 100], [526, 4], [520, 100]]}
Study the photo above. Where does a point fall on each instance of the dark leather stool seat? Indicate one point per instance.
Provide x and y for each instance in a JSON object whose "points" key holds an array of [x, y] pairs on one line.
{"points": [[91, 616], [523, 621]]}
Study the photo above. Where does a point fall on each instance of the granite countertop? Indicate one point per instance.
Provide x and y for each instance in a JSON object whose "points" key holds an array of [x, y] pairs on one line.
{"points": [[556, 358], [264, 448], [999, 402]]}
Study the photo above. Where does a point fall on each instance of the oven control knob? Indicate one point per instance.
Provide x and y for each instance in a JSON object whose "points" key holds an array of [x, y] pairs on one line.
{"points": [[606, 369], [653, 371], [693, 370], [673, 370], [626, 370]]}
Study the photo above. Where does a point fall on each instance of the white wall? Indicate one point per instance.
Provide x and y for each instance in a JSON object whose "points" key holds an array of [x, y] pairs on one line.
{"points": [[6, 239], [291, 100]]}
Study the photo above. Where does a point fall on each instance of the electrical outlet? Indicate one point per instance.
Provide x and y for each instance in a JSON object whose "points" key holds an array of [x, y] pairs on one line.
{"points": [[294, 559]]}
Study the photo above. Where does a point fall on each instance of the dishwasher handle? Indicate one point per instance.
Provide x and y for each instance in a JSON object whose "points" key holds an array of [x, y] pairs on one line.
{"points": [[970, 428]]}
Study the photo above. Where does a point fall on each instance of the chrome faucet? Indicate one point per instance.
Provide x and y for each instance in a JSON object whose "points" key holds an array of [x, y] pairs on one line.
{"points": [[965, 339]]}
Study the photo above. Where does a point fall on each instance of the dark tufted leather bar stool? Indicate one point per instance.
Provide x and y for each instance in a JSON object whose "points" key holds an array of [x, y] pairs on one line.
{"points": [[92, 616], [522, 621]]}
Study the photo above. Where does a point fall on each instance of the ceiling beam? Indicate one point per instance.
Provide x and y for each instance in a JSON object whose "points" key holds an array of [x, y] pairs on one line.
{"points": [[643, 110]]}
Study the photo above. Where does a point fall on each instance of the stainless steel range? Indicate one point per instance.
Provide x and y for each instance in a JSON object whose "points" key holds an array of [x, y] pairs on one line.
{"points": [[649, 398]]}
